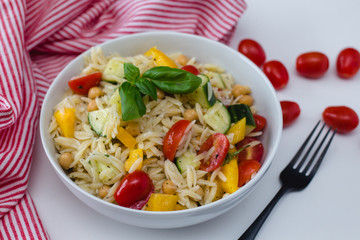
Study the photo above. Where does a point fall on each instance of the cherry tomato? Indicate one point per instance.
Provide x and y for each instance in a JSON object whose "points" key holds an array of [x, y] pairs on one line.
{"points": [[191, 69], [277, 74], [348, 63], [255, 152], [252, 50], [290, 112], [260, 122], [344, 119], [134, 190], [312, 64], [247, 169], [221, 144], [81, 85], [173, 138]]}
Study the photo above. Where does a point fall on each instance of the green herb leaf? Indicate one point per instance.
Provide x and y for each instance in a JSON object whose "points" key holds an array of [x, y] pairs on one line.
{"points": [[146, 87], [132, 105], [231, 156], [173, 80], [131, 72]]}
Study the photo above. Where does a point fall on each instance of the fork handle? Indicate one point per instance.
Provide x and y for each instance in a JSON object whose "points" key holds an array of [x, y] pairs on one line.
{"points": [[254, 228]]}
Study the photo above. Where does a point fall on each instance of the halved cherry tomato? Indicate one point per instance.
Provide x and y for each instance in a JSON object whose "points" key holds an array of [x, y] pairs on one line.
{"points": [[290, 112], [81, 85], [277, 74], [312, 64], [343, 118], [255, 152], [252, 50], [221, 145], [260, 122], [134, 190], [191, 69], [173, 138], [348, 63], [246, 171]]}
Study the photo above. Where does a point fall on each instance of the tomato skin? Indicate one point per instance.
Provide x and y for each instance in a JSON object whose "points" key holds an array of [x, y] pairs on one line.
{"points": [[342, 118], [173, 138], [246, 170], [348, 63], [252, 50], [312, 64], [221, 144], [255, 153], [260, 122], [134, 190], [277, 74], [81, 85], [290, 112], [191, 69]]}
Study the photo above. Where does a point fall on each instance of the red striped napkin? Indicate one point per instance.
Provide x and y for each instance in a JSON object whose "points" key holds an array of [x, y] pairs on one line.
{"points": [[38, 38]]}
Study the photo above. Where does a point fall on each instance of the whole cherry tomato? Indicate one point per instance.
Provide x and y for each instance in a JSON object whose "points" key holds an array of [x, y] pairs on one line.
{"points": [[247, 169], [252, 50], [173, 138], [260, 122], [81, 85], [343, 118], [277, 74], [134, 190], [312, 64], [348, 63], [254, 152], [221, 144], [290, 112], [191, 69]]}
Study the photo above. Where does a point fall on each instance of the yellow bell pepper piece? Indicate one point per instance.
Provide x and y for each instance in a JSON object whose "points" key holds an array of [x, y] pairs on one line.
{"points": [[66, 121], [180, 207], [238, 129], [125, 137], [219, 191], [161, 202], [134, 155], [160, 58], [231, 172]]}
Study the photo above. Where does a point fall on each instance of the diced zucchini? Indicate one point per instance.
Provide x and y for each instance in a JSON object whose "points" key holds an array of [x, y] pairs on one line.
{"points": [[185, 160], [106, 171], [114, 71], [218, 118], [204, 95], [97, 119], [216, 80], [115, 100], [239, 111]]}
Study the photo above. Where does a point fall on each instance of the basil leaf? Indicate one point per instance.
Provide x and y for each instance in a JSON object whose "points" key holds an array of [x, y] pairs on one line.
{"points": [[173, 80], [131, 72], [146, 87], [132, 105], [231, 156]]}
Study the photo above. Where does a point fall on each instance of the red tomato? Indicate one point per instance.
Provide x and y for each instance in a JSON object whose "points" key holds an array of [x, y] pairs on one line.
{"points": [[255, 152], [173, 138], [191, 69], [252, 50], [277, 74], [134, 190], [81, 85], [246, 171], [344, 119], [290, 112], [260, 122], [312, 64], [221, 145], [348, 63]]}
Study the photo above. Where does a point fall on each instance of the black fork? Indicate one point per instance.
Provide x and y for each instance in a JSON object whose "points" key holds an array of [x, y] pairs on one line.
{"points": [[295, 176]]}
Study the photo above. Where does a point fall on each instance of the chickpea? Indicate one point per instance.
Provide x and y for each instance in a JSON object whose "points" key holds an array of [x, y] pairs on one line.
{"points": [[133, 128], [239, 90], [92, 106], [65, 160], [190, 114], [182, 59], [103, 191], [95, 92], [169, 187], [246, 99], [160, 94]]}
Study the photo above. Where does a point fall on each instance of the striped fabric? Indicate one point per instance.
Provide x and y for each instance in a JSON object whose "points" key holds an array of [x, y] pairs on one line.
{"points": [[38, 38]]}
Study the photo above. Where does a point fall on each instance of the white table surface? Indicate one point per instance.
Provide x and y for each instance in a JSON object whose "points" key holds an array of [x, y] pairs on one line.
{"points": [[329, 208]]}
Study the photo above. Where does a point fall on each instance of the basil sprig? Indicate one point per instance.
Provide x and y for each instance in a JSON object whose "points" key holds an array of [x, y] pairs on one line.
{"points": [[231, 156], [170, 80]]}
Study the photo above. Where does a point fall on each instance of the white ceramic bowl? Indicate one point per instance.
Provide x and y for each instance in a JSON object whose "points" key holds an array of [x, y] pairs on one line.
{"points": [[205, 51]]}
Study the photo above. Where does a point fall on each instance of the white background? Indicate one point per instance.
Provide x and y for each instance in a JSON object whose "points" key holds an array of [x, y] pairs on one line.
{"points": [[329, 208]]}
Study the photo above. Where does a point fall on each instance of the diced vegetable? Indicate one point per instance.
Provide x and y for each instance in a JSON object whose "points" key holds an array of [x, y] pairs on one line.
{"points": [[219, 191], [216, 80], [185, 160], [114, 71], [204, 95], [134, 155], [66, 121], [81, 85], [173, 138], [97, 120], [180, 207], [115, 100], [238, 131], [106, 171], [231, 172], [126, 138], [239, 111], [160, 58], [218, 118], [162, 202]]}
